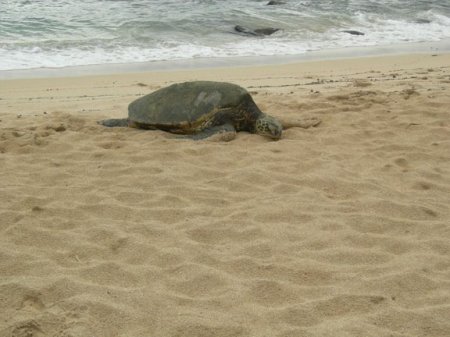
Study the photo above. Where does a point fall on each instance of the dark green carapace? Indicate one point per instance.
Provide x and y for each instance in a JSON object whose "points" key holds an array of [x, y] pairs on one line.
{"points": [[199, 109]]}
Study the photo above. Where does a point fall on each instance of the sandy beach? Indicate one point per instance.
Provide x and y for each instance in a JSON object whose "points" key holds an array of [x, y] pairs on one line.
{"points": [[338, 229]]}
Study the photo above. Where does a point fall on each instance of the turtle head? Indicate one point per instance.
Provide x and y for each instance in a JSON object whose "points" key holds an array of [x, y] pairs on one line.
{"points": [[268, 126]]}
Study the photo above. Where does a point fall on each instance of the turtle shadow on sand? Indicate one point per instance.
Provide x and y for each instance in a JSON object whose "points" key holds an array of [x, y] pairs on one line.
{"points": [[201, 109]]}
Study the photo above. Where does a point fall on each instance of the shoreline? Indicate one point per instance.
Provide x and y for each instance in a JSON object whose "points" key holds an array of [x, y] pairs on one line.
{"points": [[438, 47]]}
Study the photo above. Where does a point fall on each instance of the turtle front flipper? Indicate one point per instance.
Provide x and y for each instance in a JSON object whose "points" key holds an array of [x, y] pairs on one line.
{"points": [[224, 132], [114, 122]]}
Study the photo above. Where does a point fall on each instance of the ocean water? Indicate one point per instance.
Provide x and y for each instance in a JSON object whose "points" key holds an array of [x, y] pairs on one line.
{"points": [[61, 33]]}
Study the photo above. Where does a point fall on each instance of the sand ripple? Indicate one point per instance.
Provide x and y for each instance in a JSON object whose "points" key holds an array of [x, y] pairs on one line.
{"points": [[341, 229]]}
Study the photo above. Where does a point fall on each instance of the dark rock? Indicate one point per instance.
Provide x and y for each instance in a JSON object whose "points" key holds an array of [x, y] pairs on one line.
{"points": [[423, 21], [256, 32], [266, 31], [275, 2], [353, 32]]}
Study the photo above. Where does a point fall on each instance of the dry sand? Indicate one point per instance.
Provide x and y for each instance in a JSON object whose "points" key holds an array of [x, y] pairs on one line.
{"points": [[337, 230]]}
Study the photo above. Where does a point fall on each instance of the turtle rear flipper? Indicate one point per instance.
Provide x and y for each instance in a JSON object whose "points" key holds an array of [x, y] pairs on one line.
{"points": [[224, 132], [114, 122]]}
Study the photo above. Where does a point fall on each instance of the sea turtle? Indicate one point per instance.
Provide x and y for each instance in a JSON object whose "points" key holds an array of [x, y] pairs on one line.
{"points": [[198, 110]]}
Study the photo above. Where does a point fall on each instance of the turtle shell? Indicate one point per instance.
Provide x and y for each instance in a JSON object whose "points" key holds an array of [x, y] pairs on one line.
{"points": [[185, 104]]}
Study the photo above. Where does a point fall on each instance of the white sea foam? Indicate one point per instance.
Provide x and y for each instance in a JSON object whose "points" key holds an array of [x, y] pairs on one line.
{"points": [[70, 33]]}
